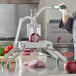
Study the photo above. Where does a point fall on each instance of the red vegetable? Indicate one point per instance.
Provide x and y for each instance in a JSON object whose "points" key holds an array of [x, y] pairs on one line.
{"points": [[8, 48], [73, 67], [70, 66], [34, 37], [67, 66], [26, 52]]}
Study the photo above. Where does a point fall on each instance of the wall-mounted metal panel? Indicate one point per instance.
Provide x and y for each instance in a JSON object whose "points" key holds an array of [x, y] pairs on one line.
{"points": [[19, 1], [9, 16], [53, 32]]}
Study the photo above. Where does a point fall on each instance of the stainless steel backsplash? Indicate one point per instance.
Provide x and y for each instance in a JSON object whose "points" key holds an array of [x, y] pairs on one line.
{"points": [[9, 16]]}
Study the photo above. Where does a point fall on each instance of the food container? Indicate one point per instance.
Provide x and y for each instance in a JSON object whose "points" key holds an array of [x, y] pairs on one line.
{"points": [[33, 56]]}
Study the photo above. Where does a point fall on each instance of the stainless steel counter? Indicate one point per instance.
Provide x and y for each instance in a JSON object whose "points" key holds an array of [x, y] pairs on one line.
{"points": [[50, 70]]}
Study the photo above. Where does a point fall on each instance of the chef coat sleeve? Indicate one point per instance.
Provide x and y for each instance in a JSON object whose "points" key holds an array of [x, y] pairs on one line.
{"points": [[68, 26]]}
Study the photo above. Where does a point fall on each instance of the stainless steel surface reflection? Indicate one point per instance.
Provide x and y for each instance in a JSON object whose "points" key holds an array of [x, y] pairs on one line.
{"points": [[51, 69]]}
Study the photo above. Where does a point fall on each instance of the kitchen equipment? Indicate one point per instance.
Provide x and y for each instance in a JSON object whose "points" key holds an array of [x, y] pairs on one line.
{"points": [[65, 48], [33, 29], [59, 7], [20, 46], [62, 40]]}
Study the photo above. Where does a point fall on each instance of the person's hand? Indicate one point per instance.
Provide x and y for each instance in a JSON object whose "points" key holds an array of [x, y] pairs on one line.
{"points": [[65, 15], [63, 11]]}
